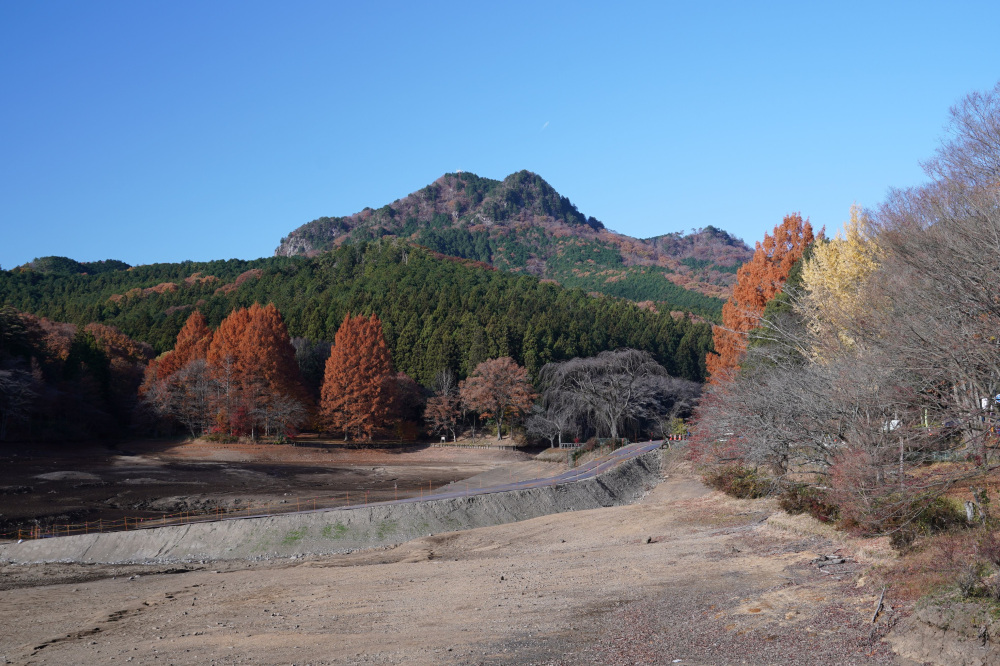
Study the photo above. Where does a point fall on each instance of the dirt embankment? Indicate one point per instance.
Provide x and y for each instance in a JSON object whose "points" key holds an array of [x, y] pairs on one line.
{"points": [[956, 634], [340, 530]]}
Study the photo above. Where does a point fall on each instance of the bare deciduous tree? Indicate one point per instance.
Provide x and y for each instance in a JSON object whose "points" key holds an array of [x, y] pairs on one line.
{"points": [[279, 412], [188, 395], [917, 381], [551, 421], [444, 409], [972, 155], [442, 414], [615, 388]]}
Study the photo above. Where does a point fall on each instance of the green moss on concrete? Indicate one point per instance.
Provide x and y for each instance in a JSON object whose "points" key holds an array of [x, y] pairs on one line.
{"points": [[336, 531]]}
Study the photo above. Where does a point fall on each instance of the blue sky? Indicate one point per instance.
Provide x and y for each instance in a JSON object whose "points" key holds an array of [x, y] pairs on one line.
{"points": [[153, 132]]}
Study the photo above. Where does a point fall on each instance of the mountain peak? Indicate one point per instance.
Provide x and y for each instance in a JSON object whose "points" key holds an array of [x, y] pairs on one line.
{"points": [[522, 224]]}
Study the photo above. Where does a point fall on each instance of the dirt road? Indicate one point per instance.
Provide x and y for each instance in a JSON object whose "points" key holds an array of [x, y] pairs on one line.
{"points": [[686, 574]]}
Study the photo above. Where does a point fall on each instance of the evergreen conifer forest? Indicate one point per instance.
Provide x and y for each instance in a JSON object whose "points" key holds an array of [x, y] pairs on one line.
{"points": [[437, 313]]}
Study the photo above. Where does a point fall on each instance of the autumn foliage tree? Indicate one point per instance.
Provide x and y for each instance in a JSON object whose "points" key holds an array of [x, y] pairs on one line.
{"points": [[243, 376], [193, 342], [757, 282], [499, 389], [178, 383], [357, 384], [127, 360], [58, 381], [268, 353], [871, 392], [252, 358], [837, 297]]}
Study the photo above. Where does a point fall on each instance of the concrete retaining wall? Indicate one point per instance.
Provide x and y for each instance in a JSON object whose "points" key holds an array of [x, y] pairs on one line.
{"points": [[341, 530]]}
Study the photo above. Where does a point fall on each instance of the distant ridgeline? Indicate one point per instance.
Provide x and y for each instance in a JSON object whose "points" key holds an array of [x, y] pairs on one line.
{"points": [[67, 266], [522, 225], [437, 311]]}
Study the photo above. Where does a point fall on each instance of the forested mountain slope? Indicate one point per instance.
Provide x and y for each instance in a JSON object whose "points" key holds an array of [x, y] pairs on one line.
{"points": [[521, 224], [437, 311]]}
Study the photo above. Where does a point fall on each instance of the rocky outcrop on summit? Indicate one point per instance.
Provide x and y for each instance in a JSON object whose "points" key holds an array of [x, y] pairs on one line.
{"points": [[455, 200], [522, 224]]}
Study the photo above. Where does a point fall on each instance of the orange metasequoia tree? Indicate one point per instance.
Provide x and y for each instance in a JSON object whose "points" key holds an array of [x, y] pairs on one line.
{"points": [[757, 282], [242, 377], [227, 362], [252, 358], [192, 343], [269, 353], [357, 383]]}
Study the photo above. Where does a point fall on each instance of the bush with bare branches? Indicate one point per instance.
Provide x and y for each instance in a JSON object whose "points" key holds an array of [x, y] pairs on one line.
{"points": [[859, 400]]}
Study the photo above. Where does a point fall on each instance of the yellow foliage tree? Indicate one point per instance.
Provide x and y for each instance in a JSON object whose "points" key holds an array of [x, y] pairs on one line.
{"points": [[837, 301]]}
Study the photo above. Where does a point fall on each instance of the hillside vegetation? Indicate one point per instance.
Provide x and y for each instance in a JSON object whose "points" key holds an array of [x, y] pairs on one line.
{"points": [[437, 312], [522, 225]]}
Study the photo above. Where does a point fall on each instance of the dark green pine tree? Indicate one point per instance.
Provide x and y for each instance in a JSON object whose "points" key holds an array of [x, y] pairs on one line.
{"points": [[529, 351], [478, 350], [406, 347]]}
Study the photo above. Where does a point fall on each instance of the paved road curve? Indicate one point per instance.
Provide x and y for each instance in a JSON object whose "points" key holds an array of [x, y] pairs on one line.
{"points": [[585, 471]]}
